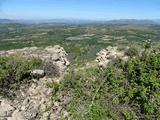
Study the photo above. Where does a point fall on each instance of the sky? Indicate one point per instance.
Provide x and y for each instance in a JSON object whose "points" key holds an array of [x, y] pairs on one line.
{"points": [[80, 9]]}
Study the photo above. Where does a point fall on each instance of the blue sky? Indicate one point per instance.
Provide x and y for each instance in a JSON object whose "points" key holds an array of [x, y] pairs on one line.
{"points": [[80, 9]]}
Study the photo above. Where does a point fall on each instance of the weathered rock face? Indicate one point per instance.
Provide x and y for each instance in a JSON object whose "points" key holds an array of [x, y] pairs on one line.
{"points": [[108, 54], [55, 55]]}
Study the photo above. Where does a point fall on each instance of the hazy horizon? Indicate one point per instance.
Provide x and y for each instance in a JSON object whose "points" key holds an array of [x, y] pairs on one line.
{"points": [[79, 9]]}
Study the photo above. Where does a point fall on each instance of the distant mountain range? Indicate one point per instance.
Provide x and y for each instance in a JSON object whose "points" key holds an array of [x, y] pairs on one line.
{"points": [[157, 21], [77, 21], [131, 21], [6, 21]]}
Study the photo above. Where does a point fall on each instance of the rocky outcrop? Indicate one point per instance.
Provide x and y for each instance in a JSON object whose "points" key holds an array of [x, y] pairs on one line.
{"points": [[34, 103], [108, 54], [34, 100], [54, 55]]}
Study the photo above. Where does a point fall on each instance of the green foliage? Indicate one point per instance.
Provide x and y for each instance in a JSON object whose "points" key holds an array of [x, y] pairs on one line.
{"points": [[132, 51], [125, 90], [13, 70], [54, 88], [127, 115]]}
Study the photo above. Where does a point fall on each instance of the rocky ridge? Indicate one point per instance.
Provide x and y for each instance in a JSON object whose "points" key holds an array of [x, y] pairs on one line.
{"points": [[52, 56], [108, 54], [35, 101]]}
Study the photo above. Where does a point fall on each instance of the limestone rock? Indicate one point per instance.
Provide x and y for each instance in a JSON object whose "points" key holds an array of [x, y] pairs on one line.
{"points": [[35, 92], [37, 73], [3, 113], [35, 98], [54, 54], [54, 117], [17, 115], [108, 54], [55, 57], [7, 107]]}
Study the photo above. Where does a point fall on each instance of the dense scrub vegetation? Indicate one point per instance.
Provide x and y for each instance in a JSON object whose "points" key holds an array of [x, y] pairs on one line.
{"points": [[13, 71], [124, 90]]}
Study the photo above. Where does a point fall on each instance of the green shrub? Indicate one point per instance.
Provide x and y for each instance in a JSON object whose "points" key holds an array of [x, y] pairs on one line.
{"points": [[128, 90], [13, 70], [132, 51]]}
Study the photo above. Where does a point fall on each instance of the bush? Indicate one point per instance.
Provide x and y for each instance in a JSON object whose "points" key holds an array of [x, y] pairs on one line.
{"points": [[128, 90], [132, 51], [13, 70]]}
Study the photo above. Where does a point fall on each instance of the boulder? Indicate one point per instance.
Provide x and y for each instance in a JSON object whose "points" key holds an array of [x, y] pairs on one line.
{"points": [[37, 73], [55, 57]]}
